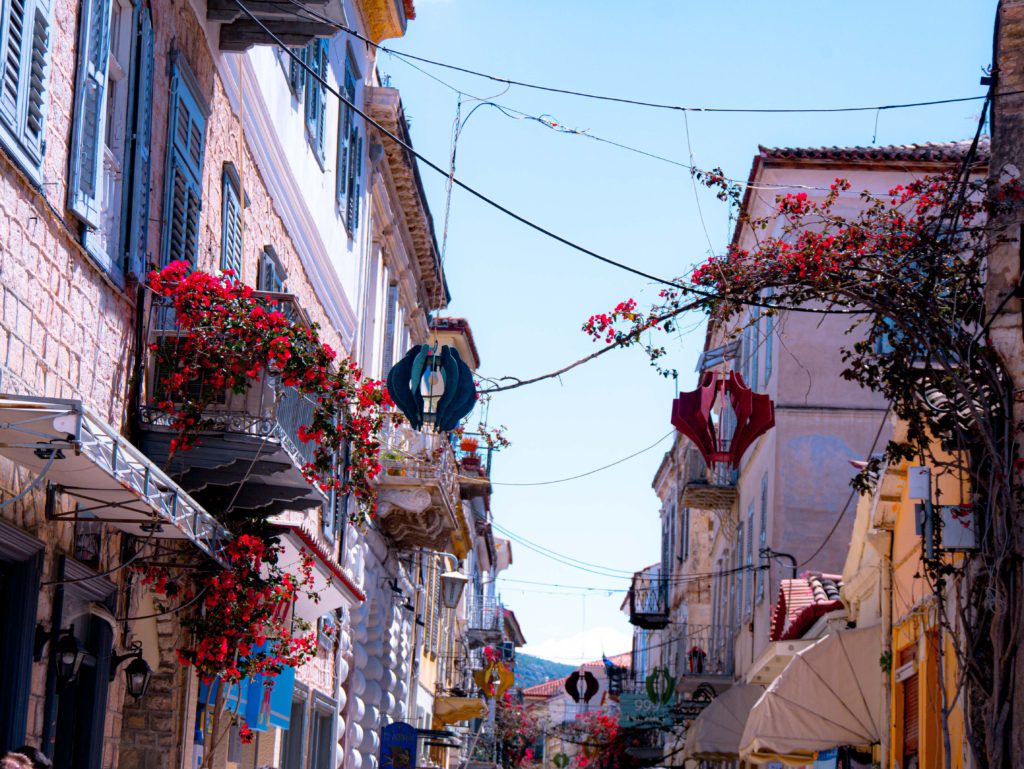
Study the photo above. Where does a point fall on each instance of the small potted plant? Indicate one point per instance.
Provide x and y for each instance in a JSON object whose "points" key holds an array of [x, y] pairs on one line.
{"points": [[469, 445], [391, 458]]}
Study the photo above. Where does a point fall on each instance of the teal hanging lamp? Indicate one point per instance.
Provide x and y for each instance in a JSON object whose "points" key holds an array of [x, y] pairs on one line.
{"points": [[433, 387]]}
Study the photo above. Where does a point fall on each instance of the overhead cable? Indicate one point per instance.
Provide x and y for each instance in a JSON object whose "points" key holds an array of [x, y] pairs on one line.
{"points": [[519, 217], [624, 100]]}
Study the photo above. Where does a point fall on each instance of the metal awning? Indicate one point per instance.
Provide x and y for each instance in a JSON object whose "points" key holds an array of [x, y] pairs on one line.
{"points": [[109, 479], [715, 734], [830, 694], [331, 585]]}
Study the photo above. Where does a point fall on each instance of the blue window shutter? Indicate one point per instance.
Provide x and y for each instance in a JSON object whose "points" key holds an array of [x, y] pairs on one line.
{"points": [[296, 72], [87, 131], [316, 58], [345, 118], [138, 213], [183, 191], [357, 192], [24, 75], [231, 228]]}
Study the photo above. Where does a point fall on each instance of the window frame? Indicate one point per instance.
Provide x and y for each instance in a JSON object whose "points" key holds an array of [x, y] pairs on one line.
{"points": [[316, 99], [300, 696], [233, 205]]}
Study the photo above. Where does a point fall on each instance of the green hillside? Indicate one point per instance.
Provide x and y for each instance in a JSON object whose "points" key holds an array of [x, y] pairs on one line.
{"points": [[534, 670]]}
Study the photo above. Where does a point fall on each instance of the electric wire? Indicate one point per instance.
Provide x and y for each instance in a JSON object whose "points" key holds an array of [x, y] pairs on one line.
{"points": [[623, 100], [589, 472], [512, 214]]}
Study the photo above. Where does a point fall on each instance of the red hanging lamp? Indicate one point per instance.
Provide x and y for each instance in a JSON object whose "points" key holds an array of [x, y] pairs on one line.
{"points": [[691, 415]]}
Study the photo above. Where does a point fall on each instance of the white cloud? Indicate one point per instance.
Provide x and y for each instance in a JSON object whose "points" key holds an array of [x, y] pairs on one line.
{"points": [[585, 646]]}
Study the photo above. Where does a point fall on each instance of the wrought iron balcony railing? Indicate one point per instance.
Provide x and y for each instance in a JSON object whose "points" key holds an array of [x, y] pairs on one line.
{"points": [[708, 488], [706, 650], [485, 618], [648, 602], [419, 487], [249, 454]]}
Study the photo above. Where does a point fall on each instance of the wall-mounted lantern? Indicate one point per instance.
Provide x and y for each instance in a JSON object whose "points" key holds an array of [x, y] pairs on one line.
{"points": [[433, 387], [137, 673], [68, 652], [453, 584]]}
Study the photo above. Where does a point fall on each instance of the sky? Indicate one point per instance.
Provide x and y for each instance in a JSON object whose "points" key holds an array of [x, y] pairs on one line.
{"points": [[526, 296]]}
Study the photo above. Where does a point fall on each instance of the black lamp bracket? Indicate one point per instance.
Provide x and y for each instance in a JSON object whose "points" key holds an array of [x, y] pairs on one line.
{"points": [[43, 637], [134, 652]]}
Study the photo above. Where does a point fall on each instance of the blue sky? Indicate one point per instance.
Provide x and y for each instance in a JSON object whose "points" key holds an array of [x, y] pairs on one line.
{"points": [[526, 296]]}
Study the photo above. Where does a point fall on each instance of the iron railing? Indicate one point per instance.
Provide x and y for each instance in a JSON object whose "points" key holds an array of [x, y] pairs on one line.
{"points": [[422, 455], [648, 602], [485, 613], [706, 650]]}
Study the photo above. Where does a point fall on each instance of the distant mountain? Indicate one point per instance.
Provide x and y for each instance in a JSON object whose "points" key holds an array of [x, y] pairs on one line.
{"points": [[534, 670]]}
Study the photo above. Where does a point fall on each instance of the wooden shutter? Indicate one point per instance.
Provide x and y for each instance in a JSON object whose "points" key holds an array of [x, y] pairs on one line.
{"points": [[355, 170], [296, 72], [315, 95], [20, 584], [345, 119], [142, 122], [24, 72], [231, 228], [183, 200], [38, 73], [13, 49], [390, 318], [762, 537], [435, 602], [911, 704], [87, 133]]}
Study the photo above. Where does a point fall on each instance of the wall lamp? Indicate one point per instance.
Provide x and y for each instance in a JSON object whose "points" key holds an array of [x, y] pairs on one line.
{"points": [[68, 652], [137, 673]]}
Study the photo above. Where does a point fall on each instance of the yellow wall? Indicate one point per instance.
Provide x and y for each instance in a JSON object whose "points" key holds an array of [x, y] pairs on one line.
{"points": [[915, 623]]}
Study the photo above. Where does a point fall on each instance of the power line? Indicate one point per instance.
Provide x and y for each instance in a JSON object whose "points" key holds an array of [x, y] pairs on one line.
{"points": [[589, 472], [624, 100], [512, 214]]}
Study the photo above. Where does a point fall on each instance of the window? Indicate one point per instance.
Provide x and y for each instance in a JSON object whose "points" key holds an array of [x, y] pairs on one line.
{"points": [[297, 72], [321, 730], [293, 749], [231, 222], [350, 153], [686, 535], [748, 574], [109, 150], [390, 314], [755, 342], [24, 79], [316, 96], [183, 178], [769, 339], [737, 577], [762, 537], [270, 275]]}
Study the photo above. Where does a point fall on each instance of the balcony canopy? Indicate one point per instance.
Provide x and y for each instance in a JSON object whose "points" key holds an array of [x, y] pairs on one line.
{"points": [[829, 695], [109, 479]]}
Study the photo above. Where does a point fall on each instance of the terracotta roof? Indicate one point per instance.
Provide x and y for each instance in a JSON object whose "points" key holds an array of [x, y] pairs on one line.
{"points": [[556, 686], [930, 152], [802, 601]]}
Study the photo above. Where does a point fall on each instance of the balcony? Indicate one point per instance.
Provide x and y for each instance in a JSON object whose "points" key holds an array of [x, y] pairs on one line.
{"points": [[648, 602], [249, 457], [707, 488], [295, 23], [474, 466], [705, 655], [484, 621], [418, 490]]}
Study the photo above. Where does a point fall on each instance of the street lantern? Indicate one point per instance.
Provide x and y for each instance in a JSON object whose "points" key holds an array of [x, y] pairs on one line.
{"points": [[69, 657], [453, 583], [137, 673], [433, 387]]}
